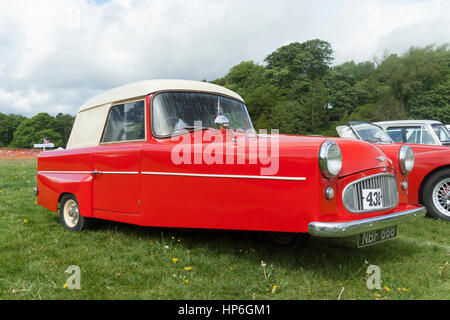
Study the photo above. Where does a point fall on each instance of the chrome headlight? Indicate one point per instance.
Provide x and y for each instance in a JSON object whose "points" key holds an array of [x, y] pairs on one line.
{"points": [[406, 159], [330, 159]]}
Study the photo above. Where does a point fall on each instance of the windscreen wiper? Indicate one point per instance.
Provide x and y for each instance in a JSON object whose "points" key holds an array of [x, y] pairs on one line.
{"points": [[193, 128]]}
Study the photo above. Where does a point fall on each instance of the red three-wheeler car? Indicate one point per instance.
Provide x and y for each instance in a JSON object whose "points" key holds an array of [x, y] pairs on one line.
{"points": [[184, 154]]}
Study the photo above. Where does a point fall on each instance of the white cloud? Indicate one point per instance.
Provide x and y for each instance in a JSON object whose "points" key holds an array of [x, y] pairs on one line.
{"points": [[54, 54], [23, 101]]}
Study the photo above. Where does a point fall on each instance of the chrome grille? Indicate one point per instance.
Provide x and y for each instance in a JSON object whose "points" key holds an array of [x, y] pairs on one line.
{"points": [[352, 196]]}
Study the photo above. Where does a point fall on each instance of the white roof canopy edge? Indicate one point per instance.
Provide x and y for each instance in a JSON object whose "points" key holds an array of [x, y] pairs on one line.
{"points": [[142, 88], [90, 121]]}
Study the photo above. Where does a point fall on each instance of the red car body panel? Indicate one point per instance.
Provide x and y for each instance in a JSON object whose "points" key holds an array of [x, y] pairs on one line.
{"points": [[117, 181]]}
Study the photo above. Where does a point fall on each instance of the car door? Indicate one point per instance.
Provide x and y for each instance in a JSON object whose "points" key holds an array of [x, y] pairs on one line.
{"points": [[116, 185]]}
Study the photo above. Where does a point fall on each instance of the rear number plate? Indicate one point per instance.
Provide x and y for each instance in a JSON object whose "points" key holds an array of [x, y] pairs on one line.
{"points": [[372, 199], [374, 236]]}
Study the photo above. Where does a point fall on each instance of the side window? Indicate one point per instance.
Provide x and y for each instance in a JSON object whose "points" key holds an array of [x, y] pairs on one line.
{"points": [[413, 135], [395, 134], [125, 122], [426, 137], [416, 135]]}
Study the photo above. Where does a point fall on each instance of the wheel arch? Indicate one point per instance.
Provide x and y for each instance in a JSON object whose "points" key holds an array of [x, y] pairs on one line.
{"points": [[62, 195], [52, 187], [427, 177]]}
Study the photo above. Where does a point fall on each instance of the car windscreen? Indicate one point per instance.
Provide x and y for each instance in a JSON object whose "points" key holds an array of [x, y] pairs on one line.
{"points": [[174, 111], [371, 133]]}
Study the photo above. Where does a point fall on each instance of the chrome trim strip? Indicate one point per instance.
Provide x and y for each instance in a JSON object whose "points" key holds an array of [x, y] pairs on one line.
{"points": [[183, 175], [117, 172], [350, 228], [91, 172], [44, 172], [223, 176]]}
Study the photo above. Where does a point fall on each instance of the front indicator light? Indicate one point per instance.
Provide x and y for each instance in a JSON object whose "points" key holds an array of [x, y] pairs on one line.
{"points": [[405, 185], [329, 193]]}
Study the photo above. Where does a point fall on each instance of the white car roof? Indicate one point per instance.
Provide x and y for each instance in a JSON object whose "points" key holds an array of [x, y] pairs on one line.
{"points": [[399, 123], [142, 88]]}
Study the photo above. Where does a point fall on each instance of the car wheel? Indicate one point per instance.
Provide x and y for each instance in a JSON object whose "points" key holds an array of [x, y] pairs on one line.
{"points": [[69, 214], [436, 195], [288, 239]]}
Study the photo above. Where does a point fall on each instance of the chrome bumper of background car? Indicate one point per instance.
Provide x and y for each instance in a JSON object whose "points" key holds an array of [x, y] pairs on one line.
{"points": [[350, 228]]}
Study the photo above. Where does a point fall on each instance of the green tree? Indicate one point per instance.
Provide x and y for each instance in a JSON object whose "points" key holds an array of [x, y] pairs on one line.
{"points": [[297, 60], [345, 90], [419, 70], [9, 124], [64, 124], [314, 111], [286, 116], [4, 130], [245, 75], [33, 130], [260, 103], [433, 104]]}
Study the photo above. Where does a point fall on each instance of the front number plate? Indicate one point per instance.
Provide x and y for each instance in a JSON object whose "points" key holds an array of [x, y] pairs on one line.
{"points": [[372, 199], [375, 236]]}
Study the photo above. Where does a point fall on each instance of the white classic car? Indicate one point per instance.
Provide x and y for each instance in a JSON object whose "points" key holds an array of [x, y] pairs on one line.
{"points": [[416, 131]]}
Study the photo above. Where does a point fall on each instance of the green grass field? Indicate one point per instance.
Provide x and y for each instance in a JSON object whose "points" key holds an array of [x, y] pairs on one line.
{"points": [[119, 261]]}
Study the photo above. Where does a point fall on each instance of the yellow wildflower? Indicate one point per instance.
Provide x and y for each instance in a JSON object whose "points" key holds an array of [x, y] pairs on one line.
{"points": [[25, 220], [173, 238], [387, 288], [175, 260], [377, 295], [186, 281], [404, 289], [65, 286], [188, 268], [274, 288]]}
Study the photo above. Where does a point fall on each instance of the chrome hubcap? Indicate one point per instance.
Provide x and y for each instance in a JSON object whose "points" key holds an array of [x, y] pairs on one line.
{"points": [[71, 213], [441, 196]]}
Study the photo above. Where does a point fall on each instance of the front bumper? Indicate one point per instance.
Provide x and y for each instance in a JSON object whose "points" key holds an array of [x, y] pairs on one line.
{"points": [[350, 228]]}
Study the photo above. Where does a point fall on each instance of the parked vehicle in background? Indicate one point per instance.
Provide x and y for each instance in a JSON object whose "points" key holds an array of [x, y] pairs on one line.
{"points": [[429, 181], [416, 131], [184, 154]]}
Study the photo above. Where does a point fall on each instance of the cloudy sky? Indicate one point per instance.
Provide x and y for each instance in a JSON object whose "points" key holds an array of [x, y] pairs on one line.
{"points": [[54, 55]]}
